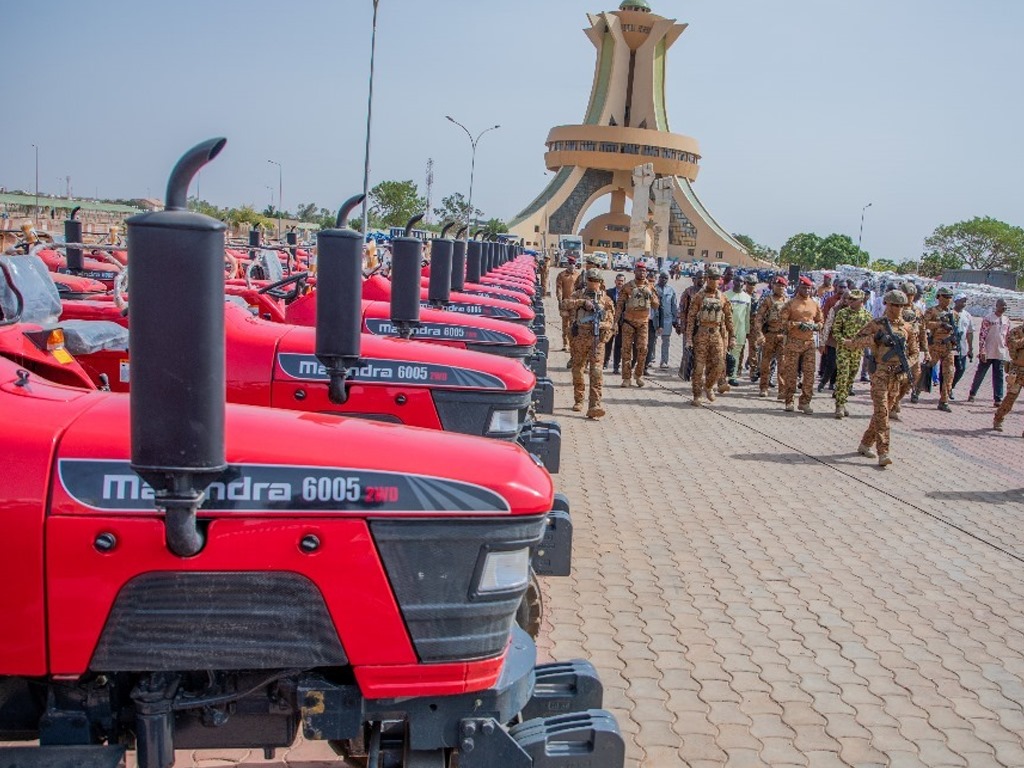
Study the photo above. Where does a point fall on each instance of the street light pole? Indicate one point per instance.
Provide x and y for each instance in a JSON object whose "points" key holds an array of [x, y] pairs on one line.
{"points": [[861, 235], [369, 120], [472, 165], [36, 222], [280, 176]]}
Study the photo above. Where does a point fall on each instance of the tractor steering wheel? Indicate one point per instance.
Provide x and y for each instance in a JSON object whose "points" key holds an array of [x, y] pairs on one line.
{"points": [[299, 280]]}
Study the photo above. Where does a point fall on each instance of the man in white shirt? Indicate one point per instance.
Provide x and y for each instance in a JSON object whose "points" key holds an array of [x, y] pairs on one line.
{"points": [[965, 349], [992, 351]]}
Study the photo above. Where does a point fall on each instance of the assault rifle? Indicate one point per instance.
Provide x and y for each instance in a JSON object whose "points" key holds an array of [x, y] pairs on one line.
{"points": [[598, 317], [949, 319], [896, 343]]}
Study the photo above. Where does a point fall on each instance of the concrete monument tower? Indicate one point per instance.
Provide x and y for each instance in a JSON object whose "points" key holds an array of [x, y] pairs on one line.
{"points": [[626, 126]]}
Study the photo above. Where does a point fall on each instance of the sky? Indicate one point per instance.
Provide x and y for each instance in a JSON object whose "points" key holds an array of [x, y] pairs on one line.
{"points": [[805, 110]]}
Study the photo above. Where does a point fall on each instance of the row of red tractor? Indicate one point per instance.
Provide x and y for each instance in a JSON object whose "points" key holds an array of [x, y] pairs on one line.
{"points": [[243, 499]]}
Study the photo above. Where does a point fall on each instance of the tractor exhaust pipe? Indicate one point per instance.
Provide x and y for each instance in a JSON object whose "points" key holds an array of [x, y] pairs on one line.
{"points": [[440, 285], [73, 234], [405, 281], [178, 389], [459, 261], [339, 307]]}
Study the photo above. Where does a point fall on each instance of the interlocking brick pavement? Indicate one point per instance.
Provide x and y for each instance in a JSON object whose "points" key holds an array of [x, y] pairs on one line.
{"points": [[756, 593]]}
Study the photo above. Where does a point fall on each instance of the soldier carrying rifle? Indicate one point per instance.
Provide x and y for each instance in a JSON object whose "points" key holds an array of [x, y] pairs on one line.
{"points": [[887, 339], [592, 317]]}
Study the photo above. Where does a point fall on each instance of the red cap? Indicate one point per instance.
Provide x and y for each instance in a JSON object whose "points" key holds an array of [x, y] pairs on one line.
{"points": [[805, 280], [780, 280]]}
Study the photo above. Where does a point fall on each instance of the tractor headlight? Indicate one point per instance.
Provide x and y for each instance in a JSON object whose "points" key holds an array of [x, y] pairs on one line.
{"points": [[503, 421], [504, 571]]}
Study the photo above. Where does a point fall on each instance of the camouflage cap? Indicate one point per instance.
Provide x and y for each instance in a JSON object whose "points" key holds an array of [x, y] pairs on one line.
{"points": [[713, 272], [593, 258], [750, 279], [944, 291], [896, 297], [909, 288], [594, 274], [855, 295]]}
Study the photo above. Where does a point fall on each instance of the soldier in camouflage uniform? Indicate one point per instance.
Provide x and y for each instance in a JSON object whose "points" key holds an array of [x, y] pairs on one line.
{"points": [[917, 340], [563, 290], [847, 324], [771, 334], [586, 305], [709, 332], [544, 265], [888, 374], [801, 318], [1014, 376], [632, 311], [941, 322]]}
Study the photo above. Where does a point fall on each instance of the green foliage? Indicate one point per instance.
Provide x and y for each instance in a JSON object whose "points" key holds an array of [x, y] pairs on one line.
{"points": [[757, 250], [455, 207], [885, 265], [206, 208], [980, 243], [497, 226], [393, 203], [908, 267], [933, 264], [306, 212], [813, 252]]}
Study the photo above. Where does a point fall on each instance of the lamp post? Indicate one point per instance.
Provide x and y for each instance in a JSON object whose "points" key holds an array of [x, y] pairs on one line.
{"points": [[280, 176], [36, 148], [472, 166], [369, 119], [270, 189], [861, 235]]}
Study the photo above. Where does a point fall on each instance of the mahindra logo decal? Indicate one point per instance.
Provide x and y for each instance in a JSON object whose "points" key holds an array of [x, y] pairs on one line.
{"points": [[112, 485], [443, 332], [377, 371]]}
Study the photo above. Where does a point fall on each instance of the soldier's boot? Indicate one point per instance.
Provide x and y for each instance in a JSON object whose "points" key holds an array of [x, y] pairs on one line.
{"points": [[710, 394], [884, 460], [577, 406], [640, 381], [914, 396], [724, 388], [763, 393], [596, 411], [790, 407], [997, 425], [807, 409], [894, 414], [695, 401], [840, 412], [945, 407], [626, 383], [568, 364], [865, 450]]}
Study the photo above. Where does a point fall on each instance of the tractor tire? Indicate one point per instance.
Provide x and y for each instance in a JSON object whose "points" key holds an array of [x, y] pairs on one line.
{"points": [[531, 609]]}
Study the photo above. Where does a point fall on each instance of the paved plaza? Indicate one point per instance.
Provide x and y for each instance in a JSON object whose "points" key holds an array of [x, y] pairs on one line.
{"points": [[754, 592]]}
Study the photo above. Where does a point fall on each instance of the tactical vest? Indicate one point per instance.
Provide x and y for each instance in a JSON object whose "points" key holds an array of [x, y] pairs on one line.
{"points": [[773, 317], [637, 300], [880, 349], [711, 310]]}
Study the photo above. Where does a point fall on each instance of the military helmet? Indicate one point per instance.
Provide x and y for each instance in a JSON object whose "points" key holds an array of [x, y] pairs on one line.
{"points": [[944, 291], [897, 297], [909, 288], [594, 274], [750, 279], [855, 295], [713, 272]]}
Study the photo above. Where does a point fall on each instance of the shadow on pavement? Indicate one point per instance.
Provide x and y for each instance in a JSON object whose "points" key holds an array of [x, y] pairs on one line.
{"points": [[1009, 496], [952, 432]]}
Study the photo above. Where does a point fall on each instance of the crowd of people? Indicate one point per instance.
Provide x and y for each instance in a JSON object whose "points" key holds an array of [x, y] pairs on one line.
{"points": [[798, 339]]}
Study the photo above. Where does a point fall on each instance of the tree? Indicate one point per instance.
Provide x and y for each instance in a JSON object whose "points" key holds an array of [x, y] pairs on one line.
{"points": [[306, 212], [208, 209], [758, 251], [801, 249], [908, 267], [885, 265], [934, 264], [813, 252], [981, 243], [454, 207], [393, 203], [495, 225]]}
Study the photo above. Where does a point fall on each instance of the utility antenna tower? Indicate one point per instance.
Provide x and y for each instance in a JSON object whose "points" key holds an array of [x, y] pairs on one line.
{"points": [[430, 187]]}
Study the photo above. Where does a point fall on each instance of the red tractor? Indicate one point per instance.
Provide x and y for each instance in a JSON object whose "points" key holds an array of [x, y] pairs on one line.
{"points": [[194, 575]]}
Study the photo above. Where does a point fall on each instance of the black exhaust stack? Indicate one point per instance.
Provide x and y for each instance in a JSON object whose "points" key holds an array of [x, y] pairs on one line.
{"points": [[459, 261], [339, 307], [474, 259], [291, 237], [254, 243], [405, 280], [177, 350], [440, 285], [73, 234]]}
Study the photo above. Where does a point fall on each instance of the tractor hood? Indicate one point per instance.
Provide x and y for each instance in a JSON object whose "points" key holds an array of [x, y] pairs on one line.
{"points": [[377, 288]]}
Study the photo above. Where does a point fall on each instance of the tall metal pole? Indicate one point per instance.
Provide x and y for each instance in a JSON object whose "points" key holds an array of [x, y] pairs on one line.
{"points": [[861, 235], [280, 176], [369, 120], [36, 222], [472, 165]]}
